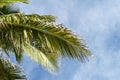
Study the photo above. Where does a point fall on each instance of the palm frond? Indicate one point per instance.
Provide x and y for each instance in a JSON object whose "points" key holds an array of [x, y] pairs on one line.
{"points": [[7, 2], [9, 9], [10, 41], [9, 71], [42, 35], [47, 61]]}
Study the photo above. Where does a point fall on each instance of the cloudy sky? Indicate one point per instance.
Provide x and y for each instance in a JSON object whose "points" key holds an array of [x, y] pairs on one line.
{"points": [[98, 22]]}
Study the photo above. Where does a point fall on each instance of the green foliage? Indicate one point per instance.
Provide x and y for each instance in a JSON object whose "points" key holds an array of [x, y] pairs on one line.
{"points": [[48, 61], [39, 36], [42, 35], [8, 10], [9, 71], [7, 2]]}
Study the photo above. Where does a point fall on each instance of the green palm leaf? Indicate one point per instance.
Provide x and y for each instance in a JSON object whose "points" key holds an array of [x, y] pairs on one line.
{"points": [[8, 10], [41, 35], [47, 61], [9, 71], [7, 2]]}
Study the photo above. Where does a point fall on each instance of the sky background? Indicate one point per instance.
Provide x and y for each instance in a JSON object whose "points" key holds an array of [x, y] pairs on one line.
{"points": [[98, 22]]}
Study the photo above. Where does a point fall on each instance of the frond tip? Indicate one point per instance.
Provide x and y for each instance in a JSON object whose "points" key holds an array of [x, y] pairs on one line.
{"points": [[9, 71], [40, 57]]}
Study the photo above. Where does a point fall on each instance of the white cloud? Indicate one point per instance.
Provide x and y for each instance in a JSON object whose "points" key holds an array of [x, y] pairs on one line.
{"points": [[95, 20], [97, 25]]}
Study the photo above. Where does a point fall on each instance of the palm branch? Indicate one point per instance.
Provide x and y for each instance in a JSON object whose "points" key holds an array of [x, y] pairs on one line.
{"points": [[9, 71], [7, 2], [9, 9], [39, 36]]}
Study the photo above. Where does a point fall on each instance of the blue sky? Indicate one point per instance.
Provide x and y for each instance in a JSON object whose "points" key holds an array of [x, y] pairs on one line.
{"points": [[98, 22]]}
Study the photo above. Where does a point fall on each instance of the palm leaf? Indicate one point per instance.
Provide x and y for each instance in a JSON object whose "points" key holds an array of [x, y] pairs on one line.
{"points": [[47, 61], [7, 2], [9, 71], [8, 10], [42, 35]]}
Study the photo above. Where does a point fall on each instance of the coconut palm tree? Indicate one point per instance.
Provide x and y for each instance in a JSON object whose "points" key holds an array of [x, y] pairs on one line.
{"points": [[38, 36]]}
